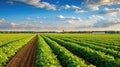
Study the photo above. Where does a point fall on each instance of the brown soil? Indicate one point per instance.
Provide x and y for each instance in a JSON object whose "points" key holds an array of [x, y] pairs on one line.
{"points": [[26, 56]]}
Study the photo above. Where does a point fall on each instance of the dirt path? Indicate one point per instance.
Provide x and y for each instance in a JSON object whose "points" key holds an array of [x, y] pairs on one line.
{"points": [[26, 56]]}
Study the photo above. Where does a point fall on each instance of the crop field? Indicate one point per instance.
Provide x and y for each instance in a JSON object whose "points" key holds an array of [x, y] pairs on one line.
{"points": [[59, 50]]}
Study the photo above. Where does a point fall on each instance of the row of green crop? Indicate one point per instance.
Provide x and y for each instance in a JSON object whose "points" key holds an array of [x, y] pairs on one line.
{"points": [[114, 47], [106, 46], [95, 40], [8, 38], [107, 39], [110, 41], [9, 50], [66, 58], [111, 52], [44, 55], [96, 57], [110, 49]]}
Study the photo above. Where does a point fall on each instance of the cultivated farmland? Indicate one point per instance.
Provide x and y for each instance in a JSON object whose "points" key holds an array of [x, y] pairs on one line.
{"points": [[60, 50]]}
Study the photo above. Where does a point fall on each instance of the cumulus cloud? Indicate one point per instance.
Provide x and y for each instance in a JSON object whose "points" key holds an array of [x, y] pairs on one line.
{"points": [[95, 17], [79, 11], [26, 26], [74, 22], [111, 11], [42, 26], [70, 21], [37, 3], [69, 24], [66, 6], [61, 17], [106, 24], [93, 22], [70, 7], [14, 24], [2, 20], [95, 4], [75, 8], [103, 22], [39, 26], [96, 21], [4, 24], [68, 18]]}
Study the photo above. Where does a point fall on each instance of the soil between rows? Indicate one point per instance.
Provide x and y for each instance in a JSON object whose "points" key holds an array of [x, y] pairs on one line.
{"points": [[26, 56]]}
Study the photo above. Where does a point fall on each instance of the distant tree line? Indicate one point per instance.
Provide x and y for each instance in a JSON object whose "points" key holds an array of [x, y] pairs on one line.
{"points": [[107, 32], [27, 32]]}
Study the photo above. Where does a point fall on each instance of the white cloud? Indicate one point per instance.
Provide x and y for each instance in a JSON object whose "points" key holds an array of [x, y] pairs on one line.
{"points": [[70, 7], [79, 11], [38, 4], [114, 27], [112, 11], [95, 17], [106, 22], [66, 6], [61, 17], [72, 22], [95, 4], [4, 24], [2, 20], [93, 7], [75, 18], [68, 18], [26, 26], [75, 8], [69, 23], [114, 20], [13, 24], [101, 25], [96, 21]]}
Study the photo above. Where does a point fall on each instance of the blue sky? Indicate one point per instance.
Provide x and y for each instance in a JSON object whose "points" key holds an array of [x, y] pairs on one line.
{"points": [[56, 15]]}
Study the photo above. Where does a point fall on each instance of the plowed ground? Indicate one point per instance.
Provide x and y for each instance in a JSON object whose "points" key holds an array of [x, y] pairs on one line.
{"points": [[26, 56]]}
